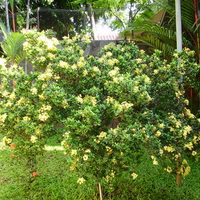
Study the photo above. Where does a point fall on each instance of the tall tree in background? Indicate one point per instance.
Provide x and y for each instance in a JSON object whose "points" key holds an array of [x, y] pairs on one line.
{"points": [[162, 35]]}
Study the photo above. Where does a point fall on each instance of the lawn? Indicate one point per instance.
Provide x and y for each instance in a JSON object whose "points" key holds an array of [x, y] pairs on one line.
{"points": [[56, 182]]}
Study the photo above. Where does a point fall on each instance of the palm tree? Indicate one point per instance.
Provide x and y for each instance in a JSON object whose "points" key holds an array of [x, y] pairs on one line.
{"points": [[12, 45], [162, 35]]}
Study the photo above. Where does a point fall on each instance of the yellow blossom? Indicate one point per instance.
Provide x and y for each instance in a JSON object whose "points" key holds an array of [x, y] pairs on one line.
{"points": [[168, 169], [33, 139], [12, 96], [43, 116], [189, 145], [85, 72], [134, 175], [64, 103], [63, 64], [87, 151], [81, 180], [34, 91], [158, 134], [109, 149], [6, 140], [79, 99], [194, 153], [138, 60], [169, 148], [155, 71], [26, 118], [186, 102], [73, 152], [8, 104], [108, 54], [5, 93], [188, 113], [74, 67], [85, 157], [110, 62], [102, 135], [50, 56], [45, 108], [161, 125], [3, 118], [184, 162], [161, 151]]}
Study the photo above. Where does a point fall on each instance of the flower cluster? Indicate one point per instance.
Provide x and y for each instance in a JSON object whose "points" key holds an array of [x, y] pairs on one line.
{"points": [[106, 107]]}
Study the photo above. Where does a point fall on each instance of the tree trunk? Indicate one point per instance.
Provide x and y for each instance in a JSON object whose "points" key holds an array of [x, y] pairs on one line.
{"points": [[92, 20], [100, 191], [28, 14], [7, 16], [178, 179], [178, 174]]}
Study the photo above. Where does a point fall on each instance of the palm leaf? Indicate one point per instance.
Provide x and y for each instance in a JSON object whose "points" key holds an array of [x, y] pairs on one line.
{"points": [[155, 43], [13, 47]]}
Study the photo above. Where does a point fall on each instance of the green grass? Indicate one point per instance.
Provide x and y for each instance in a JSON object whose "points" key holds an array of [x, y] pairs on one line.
{"points": [[56, 182]]}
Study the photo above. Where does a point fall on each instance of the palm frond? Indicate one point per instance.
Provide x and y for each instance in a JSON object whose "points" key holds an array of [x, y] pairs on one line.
{"points": [[13, 47], [154, 42]]}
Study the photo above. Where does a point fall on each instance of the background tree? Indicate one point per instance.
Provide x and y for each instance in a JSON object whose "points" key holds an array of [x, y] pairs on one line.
{"points": [[162, 35]]}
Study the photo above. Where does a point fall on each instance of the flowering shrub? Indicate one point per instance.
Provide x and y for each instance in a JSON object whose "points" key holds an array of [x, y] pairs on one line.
{"points": [[106, 107]]}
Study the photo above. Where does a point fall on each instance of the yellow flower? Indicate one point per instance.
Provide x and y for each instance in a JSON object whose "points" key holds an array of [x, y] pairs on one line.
{"points": [[33, 139], [34, 91], [45, 76], [161, 125], [79, 99], [168, 169], [3, 118], [12, 96], [5, 93], [110, 62], [108, 54], [155, 162], [109, 149], [96, 69], [186, 102], [134, 175], [189, 145], [138, 60], [50, 56], [63, 64], [158, 134], [81, 180], [155, 71], [64, 103], [74, 152], [102, 135], [169, 148], [194, 153], [64, 144], [74, 67], [147, 80], [160, 151], [45, 108], [26, 118], [85, 157], [87, 151], [6, 140], [43, 116], [85, 72], [8, 104]]}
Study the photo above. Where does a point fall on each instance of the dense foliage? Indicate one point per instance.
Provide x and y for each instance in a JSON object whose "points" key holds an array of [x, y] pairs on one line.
{"points": [[108, 108]]}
